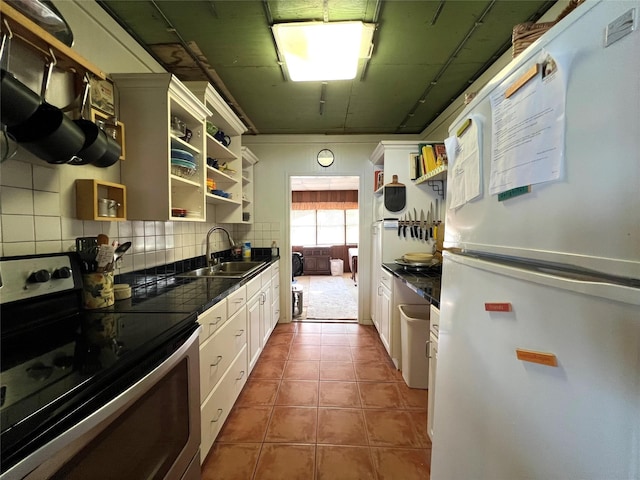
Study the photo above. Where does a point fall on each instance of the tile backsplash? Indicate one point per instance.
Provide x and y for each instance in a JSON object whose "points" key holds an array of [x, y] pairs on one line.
{"points": [[32, 223]]}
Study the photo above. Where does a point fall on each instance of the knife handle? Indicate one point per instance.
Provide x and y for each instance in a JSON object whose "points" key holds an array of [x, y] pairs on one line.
{"points": [[399, 227], [420, 230], [404, 231], [411, 230]]}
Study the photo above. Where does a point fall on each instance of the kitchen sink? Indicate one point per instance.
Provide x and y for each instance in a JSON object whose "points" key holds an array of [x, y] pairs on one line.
{"points": [[225, 269]]}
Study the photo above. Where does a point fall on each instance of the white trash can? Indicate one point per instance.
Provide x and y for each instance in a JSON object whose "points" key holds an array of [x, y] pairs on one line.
{"points": [[414, 333], [337, 267]]}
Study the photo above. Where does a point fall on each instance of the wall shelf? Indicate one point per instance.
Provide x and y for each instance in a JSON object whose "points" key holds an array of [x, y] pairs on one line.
{"points": [[89, 191], [38, 38]]}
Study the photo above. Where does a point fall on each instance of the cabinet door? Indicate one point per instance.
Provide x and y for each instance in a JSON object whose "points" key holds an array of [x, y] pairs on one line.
{"points": [[431, 394], [385, 318], [310, 265], [253, 322], [265, 313], [323, 264]]}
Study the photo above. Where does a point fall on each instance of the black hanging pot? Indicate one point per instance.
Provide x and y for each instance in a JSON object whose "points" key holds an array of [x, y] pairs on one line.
{"points": [[48, 133], [17, 100], [95, 140], [112, 154]]}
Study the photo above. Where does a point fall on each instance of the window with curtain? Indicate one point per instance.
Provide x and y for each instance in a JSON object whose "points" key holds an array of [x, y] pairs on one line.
{"points": [[324, 227], [324, 217]]}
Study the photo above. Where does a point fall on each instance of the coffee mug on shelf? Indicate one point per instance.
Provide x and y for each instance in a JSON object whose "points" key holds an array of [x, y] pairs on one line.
{"points": [[222, 138]]}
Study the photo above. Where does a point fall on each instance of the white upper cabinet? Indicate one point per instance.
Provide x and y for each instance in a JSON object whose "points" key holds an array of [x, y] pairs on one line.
{"points": [[165, 170]]}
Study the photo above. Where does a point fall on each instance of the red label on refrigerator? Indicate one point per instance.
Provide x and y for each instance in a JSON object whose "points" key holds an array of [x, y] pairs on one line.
{"points": [[497, 307]]}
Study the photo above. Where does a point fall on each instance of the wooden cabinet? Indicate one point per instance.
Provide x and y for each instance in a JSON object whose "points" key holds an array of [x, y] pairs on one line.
{"points": [[317, 260], [150, 104], [275, 294], [89, 194]]}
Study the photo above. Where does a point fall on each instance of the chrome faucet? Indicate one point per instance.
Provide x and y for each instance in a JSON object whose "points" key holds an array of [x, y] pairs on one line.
{"points": [[211, 230]]}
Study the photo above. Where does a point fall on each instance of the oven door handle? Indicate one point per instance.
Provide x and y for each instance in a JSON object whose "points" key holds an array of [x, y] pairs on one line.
{"points": [[75, 438]]}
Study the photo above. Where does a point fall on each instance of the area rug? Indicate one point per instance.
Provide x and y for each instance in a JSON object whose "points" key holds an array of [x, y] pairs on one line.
{"points": [[329, 298]]}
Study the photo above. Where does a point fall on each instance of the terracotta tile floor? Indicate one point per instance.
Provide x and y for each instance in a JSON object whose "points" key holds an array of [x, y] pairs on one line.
{"points": [[324, 402]]}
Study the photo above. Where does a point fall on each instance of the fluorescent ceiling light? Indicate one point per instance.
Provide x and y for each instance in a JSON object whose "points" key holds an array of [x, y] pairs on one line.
{"points": [[323, 51]]}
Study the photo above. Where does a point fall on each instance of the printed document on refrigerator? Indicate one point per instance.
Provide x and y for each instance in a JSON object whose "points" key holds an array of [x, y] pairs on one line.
{"points": [[527, 144]]}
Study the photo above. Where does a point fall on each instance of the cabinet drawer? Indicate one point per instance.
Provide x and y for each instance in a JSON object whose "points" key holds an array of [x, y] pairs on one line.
{"points": [[236, 300], [218, 351], [212, 319], [275, 269], [216, 408]]}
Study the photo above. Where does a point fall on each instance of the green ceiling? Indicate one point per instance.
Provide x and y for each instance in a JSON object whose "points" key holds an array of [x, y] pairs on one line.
{"points": [[412, 57]]}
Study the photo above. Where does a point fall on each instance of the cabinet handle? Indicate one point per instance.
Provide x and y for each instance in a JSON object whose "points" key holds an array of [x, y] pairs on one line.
{"points": [[239, 300], [426, 348], [218, 417], [379, 290], [218, 360], [241, 375], [240, 333], [213, 324]]}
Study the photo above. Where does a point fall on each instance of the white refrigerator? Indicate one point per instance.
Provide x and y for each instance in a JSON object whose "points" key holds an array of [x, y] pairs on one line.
{"points": [[539, 347]]}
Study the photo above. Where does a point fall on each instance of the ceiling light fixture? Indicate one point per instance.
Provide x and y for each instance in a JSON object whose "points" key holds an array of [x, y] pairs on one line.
{"points": [[317, 51]]}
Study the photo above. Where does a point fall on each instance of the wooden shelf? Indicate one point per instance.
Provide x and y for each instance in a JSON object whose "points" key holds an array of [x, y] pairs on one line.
{"points": [[215, 199], [38, 38], [89, 191], [97, 115]]}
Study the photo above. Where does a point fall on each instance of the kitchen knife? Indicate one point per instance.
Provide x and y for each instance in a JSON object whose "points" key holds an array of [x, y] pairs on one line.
{"points": [[416, 226], [410, 224], [433, 219], [436, 221], [422, 224], [427, 230], [404, 227], [399, 226]]}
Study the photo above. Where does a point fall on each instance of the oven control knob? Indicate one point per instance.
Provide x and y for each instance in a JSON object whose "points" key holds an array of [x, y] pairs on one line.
{"points": [[40, 276], [63, 272]]}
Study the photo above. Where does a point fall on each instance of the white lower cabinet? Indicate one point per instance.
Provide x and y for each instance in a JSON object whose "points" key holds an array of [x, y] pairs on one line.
{"points": [[265, 307], [234, 332], [385, 310], [253, 323], [275, 295], [215, 409]]}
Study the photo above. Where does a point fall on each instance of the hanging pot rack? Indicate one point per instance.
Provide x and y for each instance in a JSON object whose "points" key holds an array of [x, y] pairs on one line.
{"points": [[17, 25]]}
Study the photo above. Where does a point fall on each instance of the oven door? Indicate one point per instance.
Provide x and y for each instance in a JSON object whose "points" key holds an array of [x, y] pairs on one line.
{"points": [[149, 431]]}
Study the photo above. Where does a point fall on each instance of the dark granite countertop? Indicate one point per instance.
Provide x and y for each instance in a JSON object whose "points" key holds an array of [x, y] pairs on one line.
{"points": [[425, 283], [167, 293]]}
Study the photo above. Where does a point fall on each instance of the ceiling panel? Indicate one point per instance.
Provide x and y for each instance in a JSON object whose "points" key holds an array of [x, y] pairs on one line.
{"points": [[411, 51]]}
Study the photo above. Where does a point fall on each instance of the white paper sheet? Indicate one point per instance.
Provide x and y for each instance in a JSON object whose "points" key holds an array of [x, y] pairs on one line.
{"points": [[527, 143], [464, 154]]}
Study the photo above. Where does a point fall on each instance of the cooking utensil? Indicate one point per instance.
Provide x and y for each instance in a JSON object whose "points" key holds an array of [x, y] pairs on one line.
{"points": [[433, 219], [49, 133], [422, 225], [95, 140], [395, 195], [417, 225], [120, 251], [399, 227]]}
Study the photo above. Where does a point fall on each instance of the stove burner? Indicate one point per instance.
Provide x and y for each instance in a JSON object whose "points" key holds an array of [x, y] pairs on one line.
{"points": [[63, 361], [39, 371]]}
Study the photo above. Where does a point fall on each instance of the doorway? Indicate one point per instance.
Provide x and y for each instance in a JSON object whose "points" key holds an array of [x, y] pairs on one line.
{"points": [[324, 239]]}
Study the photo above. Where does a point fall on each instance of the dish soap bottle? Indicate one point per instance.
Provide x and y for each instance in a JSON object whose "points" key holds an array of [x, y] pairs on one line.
{"points": [[274, 249], [246, 251]]}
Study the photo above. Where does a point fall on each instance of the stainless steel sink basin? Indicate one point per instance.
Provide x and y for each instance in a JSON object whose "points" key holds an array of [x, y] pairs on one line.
{"points": [[225, 269]]}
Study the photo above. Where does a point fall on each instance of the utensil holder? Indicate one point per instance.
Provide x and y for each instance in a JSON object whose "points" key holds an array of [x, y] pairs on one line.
{"points": [[97, 290]]}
